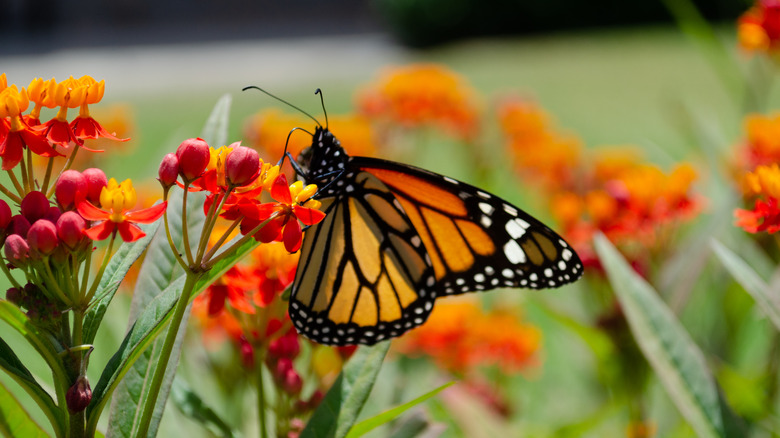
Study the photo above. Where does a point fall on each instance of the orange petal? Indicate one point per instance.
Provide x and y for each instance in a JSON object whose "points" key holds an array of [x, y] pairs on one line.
{"points": [[147, 215]]}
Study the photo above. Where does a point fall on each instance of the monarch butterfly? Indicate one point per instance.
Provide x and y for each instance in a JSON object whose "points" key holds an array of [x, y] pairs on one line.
{"points": [[395, 237]]}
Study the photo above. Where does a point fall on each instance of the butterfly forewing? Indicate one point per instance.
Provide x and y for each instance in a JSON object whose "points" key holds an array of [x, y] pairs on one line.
{"points": [[361, 278], [476, 240]]}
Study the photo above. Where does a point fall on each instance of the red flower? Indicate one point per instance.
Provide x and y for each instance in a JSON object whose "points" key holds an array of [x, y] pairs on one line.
{"points": [[284, 214], [117, 199]]}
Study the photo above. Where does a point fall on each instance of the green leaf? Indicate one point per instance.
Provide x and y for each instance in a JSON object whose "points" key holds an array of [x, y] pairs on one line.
{"points": [[669, 349], [14, 420], [369, 424], [750, 281], [18, 320], [115, 272], [11, 364], [160, 268], [343, 402], [193, 407]]}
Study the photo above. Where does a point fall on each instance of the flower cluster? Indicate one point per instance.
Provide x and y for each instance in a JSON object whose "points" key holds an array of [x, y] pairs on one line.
{"points": [[422, 95], [763, 185], [460, 337], [609, 190], [759, 28], [761, 145], [245, 306]]}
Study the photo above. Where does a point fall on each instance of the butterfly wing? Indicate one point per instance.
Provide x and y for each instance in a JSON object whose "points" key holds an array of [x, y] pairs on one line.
{"points": [[476, 240], [363, 274]]}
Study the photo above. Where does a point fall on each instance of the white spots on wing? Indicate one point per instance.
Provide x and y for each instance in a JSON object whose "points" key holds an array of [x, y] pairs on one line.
{"points": [[514, 253], [416, 241], [562, 265], [350, 188], [479, 278], [509, 209], [485, 221], [566, 254], [508, 273], [516, 227], [548, 273], [486, 208], [450, 180], [483, 195]]}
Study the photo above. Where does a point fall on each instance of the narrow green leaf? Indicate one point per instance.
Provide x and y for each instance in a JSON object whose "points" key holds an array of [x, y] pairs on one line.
{"points": [[115, 272], [11, 364], [14, 420], [343, 402], [750, 281], [215, 131], [192, 406], [372, 423], [671, 352]]}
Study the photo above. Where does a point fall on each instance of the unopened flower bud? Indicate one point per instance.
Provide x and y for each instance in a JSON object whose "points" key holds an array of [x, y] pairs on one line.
{"points": [[79, 395], [292, 383], [96, 180], [193, 155], [5, 214], [14, 295], [18, 225], [242, 166], [287, 346], [34, 206], [169, 170], [71, 188], [70, 229], [42, 237], [247, 352], [53, 214], [283, 365], [16, 250]]}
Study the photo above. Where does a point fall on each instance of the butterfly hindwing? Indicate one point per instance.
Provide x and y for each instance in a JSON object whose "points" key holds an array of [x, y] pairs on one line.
{"points": [[361, 277], [476, 240]]}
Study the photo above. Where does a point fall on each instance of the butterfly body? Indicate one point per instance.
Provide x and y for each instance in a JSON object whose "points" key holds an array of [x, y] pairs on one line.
{"points": [[396, 237]]}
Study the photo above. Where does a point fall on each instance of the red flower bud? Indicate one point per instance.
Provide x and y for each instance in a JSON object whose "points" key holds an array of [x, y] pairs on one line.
{"points": [[79, 395], [283, 365], [287, 346], [16, 250], [242, 166], [292, 382], [70, 229], [18, 225], [247, 352], [42, 237], [53, 214], [14, 295], [193, 155], [34, 206], [346, 351], [71, 188], [169, 170], [96, 180], [5, 214]]}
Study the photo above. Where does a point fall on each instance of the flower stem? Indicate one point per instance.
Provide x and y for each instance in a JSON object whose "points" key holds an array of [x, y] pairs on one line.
{"points": [[174, 249], [99, 276], [165, 353], [17, 186], [47, 177], [10, 194], [261, 408], [184, 229]]}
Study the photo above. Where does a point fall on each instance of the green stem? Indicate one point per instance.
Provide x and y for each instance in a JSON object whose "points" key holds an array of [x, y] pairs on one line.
{"points": [[184, 232], [165, 353], [30, 170], [25, 180], [222, 239], [17, 186], [78, 420], [174, 249], [211, 220], [53, 285], [103, 265], [47, 177], [8, 275], [261, 407], [240, 242], [14, 197]]}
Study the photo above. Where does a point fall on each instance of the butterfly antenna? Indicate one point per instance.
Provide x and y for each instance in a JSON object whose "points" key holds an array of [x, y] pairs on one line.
{"points": [[295, 166], [286, 103], [322, 101]]}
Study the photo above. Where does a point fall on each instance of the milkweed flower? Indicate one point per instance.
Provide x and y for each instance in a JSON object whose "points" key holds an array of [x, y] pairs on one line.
{"points": [[459, 336], [17, 135], [84, 126], [764, 185], [759, 28], [761, 144], [284, 214], [116, 201], [421, 95]]}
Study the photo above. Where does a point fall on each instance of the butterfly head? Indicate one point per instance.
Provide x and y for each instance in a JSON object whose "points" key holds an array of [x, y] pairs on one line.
{"points": [[324, 160]]}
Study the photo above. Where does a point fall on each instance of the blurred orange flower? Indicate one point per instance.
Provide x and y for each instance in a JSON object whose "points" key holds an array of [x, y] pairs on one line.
{"points": [[544, 155], [758, 29], [267, 131], [460, 336], [422, 94], [762, 141], [763, 184]]}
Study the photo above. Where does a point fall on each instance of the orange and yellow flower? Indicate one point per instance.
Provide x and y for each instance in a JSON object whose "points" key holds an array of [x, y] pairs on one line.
{"points": [[761, 145], [763, 184], [758, 29], [17, 135], [116, 201], [460, 336], [422, 95]]}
